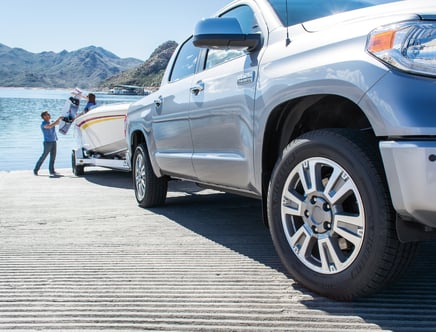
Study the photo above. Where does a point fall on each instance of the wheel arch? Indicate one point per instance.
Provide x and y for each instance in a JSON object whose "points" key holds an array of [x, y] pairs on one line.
{"points": [[138, 137], [295, 117]]}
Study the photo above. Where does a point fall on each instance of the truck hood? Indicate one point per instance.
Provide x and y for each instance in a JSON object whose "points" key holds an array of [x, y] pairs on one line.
{"points": [[392, 12]]}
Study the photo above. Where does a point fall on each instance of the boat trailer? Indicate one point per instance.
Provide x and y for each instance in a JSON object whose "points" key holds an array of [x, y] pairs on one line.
{"points": [[80, 159]]}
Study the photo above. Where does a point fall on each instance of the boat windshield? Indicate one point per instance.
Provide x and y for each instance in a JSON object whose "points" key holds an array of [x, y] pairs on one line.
{"points": [[305, 10]]}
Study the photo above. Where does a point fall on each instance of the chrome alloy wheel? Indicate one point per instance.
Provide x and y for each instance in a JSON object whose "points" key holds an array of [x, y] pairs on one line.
{"points": [[322, 215], [140, 177]]}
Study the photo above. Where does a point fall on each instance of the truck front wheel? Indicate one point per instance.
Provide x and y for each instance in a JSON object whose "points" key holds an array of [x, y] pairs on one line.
{"points": [[331, 218], [149, 189]]}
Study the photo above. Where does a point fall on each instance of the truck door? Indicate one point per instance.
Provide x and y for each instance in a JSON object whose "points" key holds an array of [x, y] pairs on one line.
{"points": [[222, 104], [171, 117]]}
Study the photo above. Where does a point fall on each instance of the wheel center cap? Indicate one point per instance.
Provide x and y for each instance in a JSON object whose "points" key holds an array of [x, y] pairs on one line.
{"points": [[318, 214]]}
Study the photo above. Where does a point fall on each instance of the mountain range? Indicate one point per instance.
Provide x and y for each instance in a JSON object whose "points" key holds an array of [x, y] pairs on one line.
{"points": [[87, 67], [148, 74]]}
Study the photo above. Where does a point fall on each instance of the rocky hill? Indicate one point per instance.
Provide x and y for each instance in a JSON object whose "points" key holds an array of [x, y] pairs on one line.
{"points": [[149, 74], [86, 67]]}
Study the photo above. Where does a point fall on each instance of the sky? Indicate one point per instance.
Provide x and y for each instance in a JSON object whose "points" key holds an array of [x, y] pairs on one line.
{"points": [[127, 28]]}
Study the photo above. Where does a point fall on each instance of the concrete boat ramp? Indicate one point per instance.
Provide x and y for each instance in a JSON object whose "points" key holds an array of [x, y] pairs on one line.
{"points": [[77, 253]]}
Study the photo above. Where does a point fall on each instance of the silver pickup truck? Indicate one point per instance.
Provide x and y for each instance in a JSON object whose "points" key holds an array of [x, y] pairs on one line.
{"points": [[325, 111]]}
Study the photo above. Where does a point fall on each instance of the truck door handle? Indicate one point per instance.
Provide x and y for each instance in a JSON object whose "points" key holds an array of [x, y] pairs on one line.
{"points": [[197, 88]]}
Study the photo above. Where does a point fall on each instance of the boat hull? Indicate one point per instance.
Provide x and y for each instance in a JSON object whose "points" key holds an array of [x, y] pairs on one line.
{"points": [[101, 130]]}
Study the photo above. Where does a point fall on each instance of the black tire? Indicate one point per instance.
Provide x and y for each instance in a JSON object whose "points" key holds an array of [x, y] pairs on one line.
{"points": [[78, 170], [331, 217], [149, 189]]}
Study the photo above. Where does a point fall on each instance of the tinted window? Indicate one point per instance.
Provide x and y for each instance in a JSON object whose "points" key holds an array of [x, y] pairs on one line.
{"points": [[245, 17], [305, 10], [248, 23], [186, 61]]}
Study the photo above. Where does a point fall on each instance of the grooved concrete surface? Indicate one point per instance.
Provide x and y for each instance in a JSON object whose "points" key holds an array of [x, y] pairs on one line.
{"points": [[79, 254]]}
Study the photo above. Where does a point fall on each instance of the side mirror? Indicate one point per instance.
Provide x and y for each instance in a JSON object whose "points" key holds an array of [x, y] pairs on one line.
{"points": [[224, 33]]}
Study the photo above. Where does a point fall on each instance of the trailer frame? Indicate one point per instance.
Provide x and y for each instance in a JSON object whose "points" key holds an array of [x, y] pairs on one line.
{"points": [[80, 158]]}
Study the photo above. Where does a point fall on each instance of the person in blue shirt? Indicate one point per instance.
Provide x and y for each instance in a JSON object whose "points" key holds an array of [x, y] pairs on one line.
{"points": [[91, 102], [50, 138], [89, 105]]}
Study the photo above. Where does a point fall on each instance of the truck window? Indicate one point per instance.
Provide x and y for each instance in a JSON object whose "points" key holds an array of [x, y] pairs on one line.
{"points": [[186, 61], [248, 23]]}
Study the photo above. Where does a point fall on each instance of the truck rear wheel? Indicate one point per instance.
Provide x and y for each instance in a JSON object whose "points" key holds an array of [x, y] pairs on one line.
{"points": [[149, 189], [331, 218]]}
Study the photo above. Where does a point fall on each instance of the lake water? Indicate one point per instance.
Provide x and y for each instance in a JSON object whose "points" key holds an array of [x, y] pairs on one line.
{"points": [[20, 119]]}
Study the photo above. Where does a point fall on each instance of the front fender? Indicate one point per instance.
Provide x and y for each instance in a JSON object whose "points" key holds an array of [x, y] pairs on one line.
{"points": [[402, 104]]}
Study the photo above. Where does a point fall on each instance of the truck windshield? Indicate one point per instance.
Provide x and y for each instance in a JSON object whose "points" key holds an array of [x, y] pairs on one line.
{"points": [[305, 10]]}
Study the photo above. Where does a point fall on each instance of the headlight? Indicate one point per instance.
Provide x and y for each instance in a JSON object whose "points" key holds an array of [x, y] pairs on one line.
{"points": [[408, 46]]}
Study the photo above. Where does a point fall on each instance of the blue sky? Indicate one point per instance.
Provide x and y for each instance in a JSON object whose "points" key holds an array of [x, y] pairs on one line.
{"points": [[128, 28]]}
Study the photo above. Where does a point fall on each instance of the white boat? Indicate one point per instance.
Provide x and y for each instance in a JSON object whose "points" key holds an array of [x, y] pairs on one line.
{"points": [[100, 132]]}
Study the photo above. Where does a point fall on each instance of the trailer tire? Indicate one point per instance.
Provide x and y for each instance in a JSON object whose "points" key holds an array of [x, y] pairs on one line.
{"points": [[150, 190], [78, 170]]}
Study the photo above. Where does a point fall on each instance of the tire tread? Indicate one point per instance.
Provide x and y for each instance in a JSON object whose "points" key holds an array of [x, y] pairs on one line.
{"points": [[156, 187], [395, 256]]}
